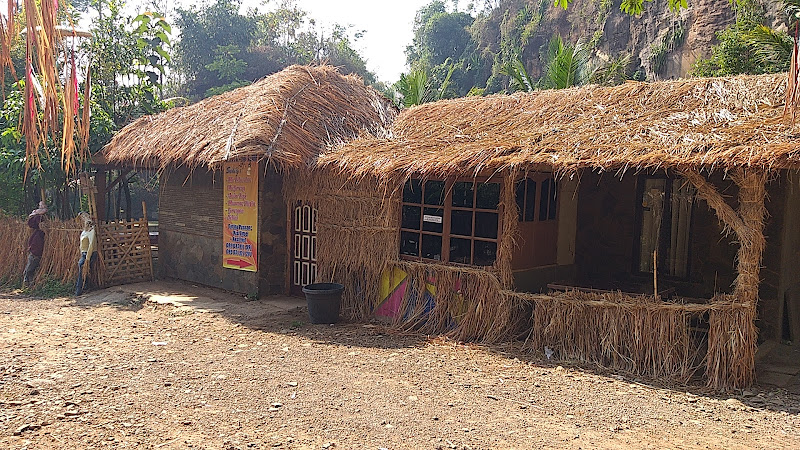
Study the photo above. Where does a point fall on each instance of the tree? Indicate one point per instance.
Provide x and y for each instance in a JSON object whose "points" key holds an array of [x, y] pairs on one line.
{"points": [[221, 49], [127, 57], [747, 46], [208, 35], [443, 40]]}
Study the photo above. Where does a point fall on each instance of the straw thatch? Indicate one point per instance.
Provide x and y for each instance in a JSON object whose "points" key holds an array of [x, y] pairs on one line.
{"points": [[356, 234], [645, 336], [357, 241], [61, 250], [702, 123], [286, 118]]}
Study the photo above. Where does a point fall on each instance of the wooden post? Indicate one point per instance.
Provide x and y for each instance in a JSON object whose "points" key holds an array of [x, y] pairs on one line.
{"points": [[752, 211], [100, 195], [732, 336], [146, 225]]}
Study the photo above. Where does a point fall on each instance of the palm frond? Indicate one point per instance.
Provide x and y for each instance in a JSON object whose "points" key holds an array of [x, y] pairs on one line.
{"points": [[567, 64], [414, 88], [520, 79], [769, 46]]}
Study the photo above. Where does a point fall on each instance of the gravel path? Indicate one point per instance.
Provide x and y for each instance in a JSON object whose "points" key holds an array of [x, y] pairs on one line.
{"points": [[129, 373]]}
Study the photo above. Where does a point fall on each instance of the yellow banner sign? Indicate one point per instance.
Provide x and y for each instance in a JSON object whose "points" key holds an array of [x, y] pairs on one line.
{"points": [[240, 216]]}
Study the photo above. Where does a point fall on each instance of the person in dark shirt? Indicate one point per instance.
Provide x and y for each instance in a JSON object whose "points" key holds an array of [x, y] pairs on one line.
{"points": [[35, 245]]}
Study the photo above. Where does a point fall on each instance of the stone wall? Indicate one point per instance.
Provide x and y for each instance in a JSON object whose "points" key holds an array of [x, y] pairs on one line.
{"points": [[190, 232], [272, 245]]}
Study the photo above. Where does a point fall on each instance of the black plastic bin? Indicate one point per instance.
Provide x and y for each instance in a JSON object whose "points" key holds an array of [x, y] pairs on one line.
{"points": [[323, 301]]}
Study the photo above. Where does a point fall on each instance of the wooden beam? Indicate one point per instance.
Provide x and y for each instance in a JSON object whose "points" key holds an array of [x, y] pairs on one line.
{"points": [[116, 181], [100, 195], [706, 191]]}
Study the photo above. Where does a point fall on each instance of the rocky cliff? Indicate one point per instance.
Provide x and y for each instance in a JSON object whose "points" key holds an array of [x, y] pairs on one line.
{"points": [[661, 44]]}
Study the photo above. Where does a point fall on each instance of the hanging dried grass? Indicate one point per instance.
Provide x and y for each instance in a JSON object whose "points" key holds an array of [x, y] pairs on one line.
{"points": [[645, 336], [42, 83], [356, 233], [731, 344]]}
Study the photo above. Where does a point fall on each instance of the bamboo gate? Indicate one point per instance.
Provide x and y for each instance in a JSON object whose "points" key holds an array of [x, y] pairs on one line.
{"points": [[123, 246]]}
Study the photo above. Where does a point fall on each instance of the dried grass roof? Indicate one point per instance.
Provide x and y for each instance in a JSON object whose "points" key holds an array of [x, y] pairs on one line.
{"points": [[286, 118], [701, 123]]}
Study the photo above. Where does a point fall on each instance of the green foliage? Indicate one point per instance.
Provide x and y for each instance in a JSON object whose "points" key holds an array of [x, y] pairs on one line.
{"points": [[636, 7], [225, 64], [562, 3], [128, 57], [414, 88], [18, 192], [221, 49], [444, 46], [567, 65], [659, 51], [520, 80], [152, 41], [417, 87], [614, 72], [51, 288], [207, 34], [633, 7], [747, 46]]}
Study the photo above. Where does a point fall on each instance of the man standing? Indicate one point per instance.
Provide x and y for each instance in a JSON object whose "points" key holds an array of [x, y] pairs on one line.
{"points": [[35, 244]]}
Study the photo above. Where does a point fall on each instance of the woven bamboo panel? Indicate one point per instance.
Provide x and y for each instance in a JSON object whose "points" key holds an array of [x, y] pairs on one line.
{"points": [[124, 249]]}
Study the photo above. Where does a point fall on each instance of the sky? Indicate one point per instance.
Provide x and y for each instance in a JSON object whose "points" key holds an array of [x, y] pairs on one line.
{"points": [[388, 26]]}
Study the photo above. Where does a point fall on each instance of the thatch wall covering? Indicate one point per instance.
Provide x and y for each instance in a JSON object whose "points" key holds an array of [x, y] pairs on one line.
{"points": [[285, 118], [646, 336], [700, 123], [61, 250], [356, 234]]}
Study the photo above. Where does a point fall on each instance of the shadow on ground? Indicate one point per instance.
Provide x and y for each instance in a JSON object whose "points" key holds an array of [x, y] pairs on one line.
{"points": [[288, 315]]}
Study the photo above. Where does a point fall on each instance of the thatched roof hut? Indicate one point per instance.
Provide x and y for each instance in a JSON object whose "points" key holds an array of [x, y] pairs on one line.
{"points": [[285, 118], [684, 129], [701, 123]]}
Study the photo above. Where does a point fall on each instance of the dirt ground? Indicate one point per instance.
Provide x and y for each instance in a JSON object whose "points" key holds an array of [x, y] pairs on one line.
{"points": [[150, 368]]}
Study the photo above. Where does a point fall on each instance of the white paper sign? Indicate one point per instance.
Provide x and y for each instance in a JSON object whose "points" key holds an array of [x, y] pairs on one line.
{"points": [[434, 219]]}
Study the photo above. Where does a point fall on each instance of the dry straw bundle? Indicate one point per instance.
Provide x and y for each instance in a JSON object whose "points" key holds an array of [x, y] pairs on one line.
{"points": [[13, 252], [61, 251], [286, 118], [645, 336], [467, 305], [700, 123]]}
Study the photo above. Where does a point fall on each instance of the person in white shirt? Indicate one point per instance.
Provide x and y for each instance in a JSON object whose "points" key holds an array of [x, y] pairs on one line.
{"points": [[88, 250]]}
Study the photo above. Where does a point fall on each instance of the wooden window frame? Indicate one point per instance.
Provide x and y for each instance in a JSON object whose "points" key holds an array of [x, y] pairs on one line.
{"points": [[539, 179], [447, 209], [663, 248]]}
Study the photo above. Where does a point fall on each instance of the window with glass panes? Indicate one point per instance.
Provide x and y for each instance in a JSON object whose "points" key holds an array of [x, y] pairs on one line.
{"points": [[526, 198], [453, 221]]}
